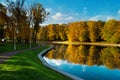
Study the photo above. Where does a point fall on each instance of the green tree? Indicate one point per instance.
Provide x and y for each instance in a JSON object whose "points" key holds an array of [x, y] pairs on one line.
{"points": [[111, 30]]}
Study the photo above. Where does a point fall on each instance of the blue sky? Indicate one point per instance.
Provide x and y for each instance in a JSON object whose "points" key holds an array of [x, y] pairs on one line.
{"points": [[65, 11]]}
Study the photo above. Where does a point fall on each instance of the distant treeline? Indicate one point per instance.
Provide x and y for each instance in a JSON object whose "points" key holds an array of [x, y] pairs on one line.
{"points": [[83, 31]]}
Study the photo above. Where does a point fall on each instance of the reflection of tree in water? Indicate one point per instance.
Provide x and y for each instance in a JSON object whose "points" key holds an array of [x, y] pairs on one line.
{"points": [[90, 55], [77, 54], [57, 53], [94, 57], [71, 54], [111, 57]]}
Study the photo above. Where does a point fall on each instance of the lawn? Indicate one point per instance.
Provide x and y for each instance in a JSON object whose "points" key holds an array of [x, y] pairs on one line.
{"points": [[27, 66], [8, 47]]}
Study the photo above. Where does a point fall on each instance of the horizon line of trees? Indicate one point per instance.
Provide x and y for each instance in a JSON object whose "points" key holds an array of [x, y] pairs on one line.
{"points": [[23, 25], [82, 31]]}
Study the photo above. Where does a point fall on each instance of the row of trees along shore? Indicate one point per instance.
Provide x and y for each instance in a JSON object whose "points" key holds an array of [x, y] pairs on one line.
{"points": [[82, 31], [20, 20]]}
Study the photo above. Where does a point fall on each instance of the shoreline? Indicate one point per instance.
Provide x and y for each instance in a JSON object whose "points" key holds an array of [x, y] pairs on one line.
{"points": [[40, 56], [86, 43]]}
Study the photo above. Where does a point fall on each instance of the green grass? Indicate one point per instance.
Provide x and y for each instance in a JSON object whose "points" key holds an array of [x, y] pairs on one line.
{"points": [[7, 47], [27, 66]]}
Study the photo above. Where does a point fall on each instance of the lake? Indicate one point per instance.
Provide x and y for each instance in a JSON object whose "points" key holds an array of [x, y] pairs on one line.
{"points": [[86, 62]]}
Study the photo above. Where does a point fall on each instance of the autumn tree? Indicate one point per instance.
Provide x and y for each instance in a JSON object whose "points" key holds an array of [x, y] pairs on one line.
{"points": [[78, 31], [42, 35], [51, 32], [2, 14], [4, 20], [57, 28], [84, 33], [100, 25], [62, 32], [74, 31], [93, 30], [17, 17], [39, 16], [111, 31]]}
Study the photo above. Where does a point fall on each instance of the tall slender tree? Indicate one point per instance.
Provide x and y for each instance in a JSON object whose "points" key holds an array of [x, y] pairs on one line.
{"points": [[39, 16]]}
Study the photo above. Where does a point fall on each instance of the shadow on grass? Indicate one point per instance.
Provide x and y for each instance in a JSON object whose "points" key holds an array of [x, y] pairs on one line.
{"points": [[27, 66], [22, 74], [18, 68]]}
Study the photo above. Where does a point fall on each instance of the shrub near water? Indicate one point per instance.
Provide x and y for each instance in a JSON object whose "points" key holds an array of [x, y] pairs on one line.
{"points": [[27, 66]]}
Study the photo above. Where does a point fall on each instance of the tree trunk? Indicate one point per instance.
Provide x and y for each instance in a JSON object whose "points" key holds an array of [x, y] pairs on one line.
{"points": [[34, 36]]}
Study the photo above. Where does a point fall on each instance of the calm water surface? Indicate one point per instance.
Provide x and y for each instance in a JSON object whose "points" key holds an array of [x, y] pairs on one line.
{"points": [[86, 62]]}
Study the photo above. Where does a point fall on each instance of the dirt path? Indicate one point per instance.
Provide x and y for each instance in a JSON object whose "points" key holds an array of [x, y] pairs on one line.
{"points": [[5, 56]]}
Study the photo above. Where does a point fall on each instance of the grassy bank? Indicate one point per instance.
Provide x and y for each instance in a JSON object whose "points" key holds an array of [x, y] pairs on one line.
{"points": [[27, 66], [8, 47]]}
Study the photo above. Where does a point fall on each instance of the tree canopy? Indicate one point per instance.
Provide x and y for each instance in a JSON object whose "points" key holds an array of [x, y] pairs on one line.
{"points": [[24, 24], [17, 19]]}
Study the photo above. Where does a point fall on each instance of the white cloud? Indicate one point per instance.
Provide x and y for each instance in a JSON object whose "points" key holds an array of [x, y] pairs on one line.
{"points": [[109, 17], [62, 17], [95, 18], [48, 9], [69, 18], [58, 16], [119, 12], [101, 17], [55, 62]]}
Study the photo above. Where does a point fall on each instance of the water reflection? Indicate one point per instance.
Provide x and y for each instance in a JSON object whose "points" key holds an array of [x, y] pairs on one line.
{"points": [[87, 55]]}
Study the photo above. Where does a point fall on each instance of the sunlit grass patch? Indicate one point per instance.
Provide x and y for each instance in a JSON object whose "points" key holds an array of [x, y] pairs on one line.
{"points": [[27, 66]]}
